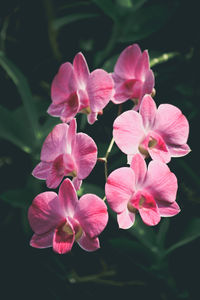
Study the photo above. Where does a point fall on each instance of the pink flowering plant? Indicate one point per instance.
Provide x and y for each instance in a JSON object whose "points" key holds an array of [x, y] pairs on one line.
{"points": [[143, 132], [99, 184]]}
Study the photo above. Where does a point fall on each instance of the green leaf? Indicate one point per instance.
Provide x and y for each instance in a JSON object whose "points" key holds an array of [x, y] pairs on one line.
{"points": [[143, 22], [24, 90], [23, 197], [144, 234], [162, 232], [110, 63], [108, 7], [17, 198], [63, 21], [13, 129], [191, 233], [89, 188]]}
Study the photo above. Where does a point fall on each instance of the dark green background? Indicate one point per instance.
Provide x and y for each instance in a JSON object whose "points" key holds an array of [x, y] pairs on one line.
{"points": [[35, 38]]}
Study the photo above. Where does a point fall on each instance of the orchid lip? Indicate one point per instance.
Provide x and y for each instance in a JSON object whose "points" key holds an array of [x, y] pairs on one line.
{"points": [[67, 228]]}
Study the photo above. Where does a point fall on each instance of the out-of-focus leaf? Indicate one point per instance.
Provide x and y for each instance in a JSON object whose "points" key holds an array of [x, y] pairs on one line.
{"points": [[108, 7], [23, 197], [162, 58], [24, 90], [110, 63], [132, 247], [191, 233], [60, 22], [18, 197], [144, 22], [13, 127], [144, 234], [161, 235], [125, 3], [89, 188]]}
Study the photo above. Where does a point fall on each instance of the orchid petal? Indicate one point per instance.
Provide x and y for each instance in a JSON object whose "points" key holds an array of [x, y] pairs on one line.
{"points": [[85, 155], [100, 89], [63, 241], [128, 131], [148, 111], [42, 169], [56, 110], [88, 244], [43, 240], [142, 66], [127, 61], [161, 182], [67, 197], [168, 209], [45, 213], [70, 108], [171, 124], [178, 150], [63, 83], [139, 167], [77, 183], [55, 143], [119, 188], [91, 212], [126, 219], [81, 70], [92, 117]]}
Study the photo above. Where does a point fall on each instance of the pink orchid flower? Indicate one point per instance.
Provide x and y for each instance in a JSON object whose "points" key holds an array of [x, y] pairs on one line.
{"points": [[60, 220], [161, 133], [150, 192], [74, 89], [66, 153], [132, 76]]}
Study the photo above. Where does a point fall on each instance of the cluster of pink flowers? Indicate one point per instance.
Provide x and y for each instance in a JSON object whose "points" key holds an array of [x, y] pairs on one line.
{"points": [[145, 131]]}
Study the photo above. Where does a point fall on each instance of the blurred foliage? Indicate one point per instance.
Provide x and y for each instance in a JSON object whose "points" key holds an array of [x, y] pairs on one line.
{"points": [[35, 38]]}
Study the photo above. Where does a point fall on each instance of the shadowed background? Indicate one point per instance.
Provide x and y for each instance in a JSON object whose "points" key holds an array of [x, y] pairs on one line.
{"points": [[160, 262]]}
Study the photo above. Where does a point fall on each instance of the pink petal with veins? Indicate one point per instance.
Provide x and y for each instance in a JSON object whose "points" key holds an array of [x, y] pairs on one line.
{"points": [[41, 171], [139, 167], [81, 70], [68, 198], [161, 182], [70, 108], [126, 219], [100, 89], [92, 117], [55, 143], [171, 124], [43, 240], [85, 155], [63, 241], [142, 66], [88, 244], [119, 188], [128, 131], [148, 111], [45, 213], [63, 83], [168, 210], [91, 212], [127, 61]]}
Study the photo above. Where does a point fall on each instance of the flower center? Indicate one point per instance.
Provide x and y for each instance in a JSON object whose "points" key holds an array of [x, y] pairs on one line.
{"points": [[86, 110], [131, 208], [152, 143], [78, 230], [72, 100]]}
